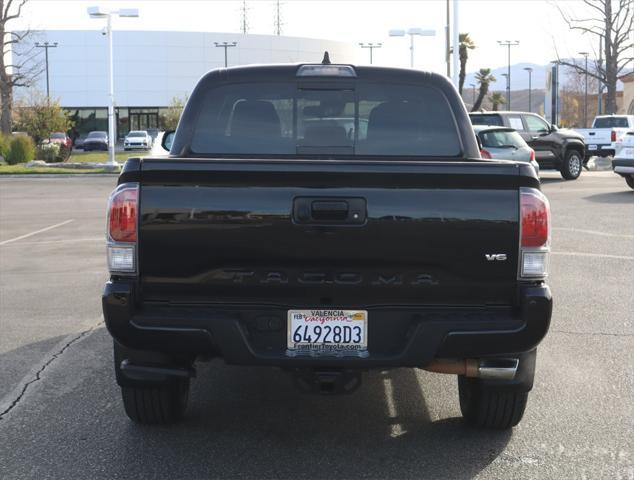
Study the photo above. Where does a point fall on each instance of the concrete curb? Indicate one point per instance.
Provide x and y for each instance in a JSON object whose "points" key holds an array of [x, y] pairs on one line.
{"points": [[77, 165]]}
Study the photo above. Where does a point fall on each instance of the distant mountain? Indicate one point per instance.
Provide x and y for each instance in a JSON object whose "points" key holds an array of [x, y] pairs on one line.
{"points": [[519, 100], [519, 76]]}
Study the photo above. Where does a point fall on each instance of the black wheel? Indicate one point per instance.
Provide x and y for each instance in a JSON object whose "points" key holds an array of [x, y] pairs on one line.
{"points": [[164, 403], [572, 165], [630, 182], [151, 403], [486, 407]]}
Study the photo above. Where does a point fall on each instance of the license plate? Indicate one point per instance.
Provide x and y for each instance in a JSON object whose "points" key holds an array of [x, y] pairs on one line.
{"points": [[592, 147], [327, 331]]}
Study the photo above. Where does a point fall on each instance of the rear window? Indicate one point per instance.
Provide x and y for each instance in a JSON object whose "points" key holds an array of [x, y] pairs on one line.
{"points": [[501, 139], [611, 122], [58, 136], [486, 120], [367, 120]]}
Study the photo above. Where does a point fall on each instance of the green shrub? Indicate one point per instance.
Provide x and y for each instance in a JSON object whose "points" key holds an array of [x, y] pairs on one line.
{"points": [[5, 146], [22, 150], [48, 152]]}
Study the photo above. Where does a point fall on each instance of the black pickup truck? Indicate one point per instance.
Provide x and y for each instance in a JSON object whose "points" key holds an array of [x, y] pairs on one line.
{"points": [[326, 220]]}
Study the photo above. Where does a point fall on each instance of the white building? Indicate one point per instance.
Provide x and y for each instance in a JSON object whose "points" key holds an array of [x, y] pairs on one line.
{"points": [[151, 68]]}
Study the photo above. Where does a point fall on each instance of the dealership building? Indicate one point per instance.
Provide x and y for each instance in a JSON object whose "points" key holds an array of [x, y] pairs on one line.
{"points": [[153, 67]]}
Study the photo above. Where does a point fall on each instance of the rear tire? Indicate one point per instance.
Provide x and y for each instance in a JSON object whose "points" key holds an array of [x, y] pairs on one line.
{"points": [[150, 403], [572, 165], [486, 407], [630, 182], [160, 404]]}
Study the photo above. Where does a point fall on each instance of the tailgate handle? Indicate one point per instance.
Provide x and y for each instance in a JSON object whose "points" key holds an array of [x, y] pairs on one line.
{"points": [[329, 210]]}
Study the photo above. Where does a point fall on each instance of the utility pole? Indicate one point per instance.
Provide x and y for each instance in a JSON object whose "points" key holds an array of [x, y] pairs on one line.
{"points": [[245, 24], [225, 45], [278, 19], [600, 64], [585, 94], [448, 41], [508, 44], [456, 45], [371, 47], [530, 88], [46, 46]]}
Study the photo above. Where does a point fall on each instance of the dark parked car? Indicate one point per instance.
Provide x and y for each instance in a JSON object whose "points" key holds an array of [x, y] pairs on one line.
{"points": [[96, 141], [561, 149], [279, 233]]}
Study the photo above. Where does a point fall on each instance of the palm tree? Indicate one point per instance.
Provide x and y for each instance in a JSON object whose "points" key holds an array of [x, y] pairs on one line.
{"points": [[496, 99], [465, 44], [485, 79]]}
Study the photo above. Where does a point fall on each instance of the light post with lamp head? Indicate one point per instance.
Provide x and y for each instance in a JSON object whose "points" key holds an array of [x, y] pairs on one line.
{"points": [[530, 86], [370, 46], [508, 44], [100, 12], [412, 32]]}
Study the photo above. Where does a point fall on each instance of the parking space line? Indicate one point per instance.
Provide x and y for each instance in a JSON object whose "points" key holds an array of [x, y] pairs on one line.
{"points": [[68, 240], [598, 255], [42, 230], [594, 232]]}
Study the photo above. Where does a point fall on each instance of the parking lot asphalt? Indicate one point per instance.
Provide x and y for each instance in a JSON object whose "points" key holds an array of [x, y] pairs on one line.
{"points": [[61, 415]]}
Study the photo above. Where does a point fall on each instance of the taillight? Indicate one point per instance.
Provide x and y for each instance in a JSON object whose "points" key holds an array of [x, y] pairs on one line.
{"points": [[485, 154], [122, 228], [532, 155], [613, 136], [534, 233]]}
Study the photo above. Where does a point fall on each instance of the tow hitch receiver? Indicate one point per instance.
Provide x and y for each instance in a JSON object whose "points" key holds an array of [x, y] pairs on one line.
{"points": [[327, 381]]}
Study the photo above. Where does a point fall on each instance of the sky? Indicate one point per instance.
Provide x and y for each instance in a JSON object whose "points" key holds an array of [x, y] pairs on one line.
{"points": [[536, 24]]}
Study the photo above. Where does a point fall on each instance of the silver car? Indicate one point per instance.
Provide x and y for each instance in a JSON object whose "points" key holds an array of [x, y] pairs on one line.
{"points": [[504, 144]]}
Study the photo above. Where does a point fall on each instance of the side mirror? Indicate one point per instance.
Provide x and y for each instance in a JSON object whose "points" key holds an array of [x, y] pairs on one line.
{"points": [[554, 128], [168, 139]]}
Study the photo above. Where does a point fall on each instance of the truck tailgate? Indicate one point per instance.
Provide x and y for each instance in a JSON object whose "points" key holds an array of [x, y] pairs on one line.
{"points": [[426, 233]]}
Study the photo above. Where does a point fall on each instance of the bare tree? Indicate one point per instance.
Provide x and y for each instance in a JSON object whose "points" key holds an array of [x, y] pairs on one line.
{"points": [[23, 68], [612, 22]]}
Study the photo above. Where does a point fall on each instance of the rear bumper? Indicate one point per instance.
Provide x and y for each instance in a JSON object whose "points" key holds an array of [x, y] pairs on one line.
{"points": [[601, 150], [397, 336], [623, 166]]}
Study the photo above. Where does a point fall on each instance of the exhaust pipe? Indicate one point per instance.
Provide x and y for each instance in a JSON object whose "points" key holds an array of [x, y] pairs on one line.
{"points": [[489, 369]]}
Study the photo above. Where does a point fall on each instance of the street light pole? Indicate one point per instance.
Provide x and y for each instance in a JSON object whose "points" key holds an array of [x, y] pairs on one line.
{"points": [[412, 32], [99, 12], [225, 45], [530, 87], [46, 46], [585, 95], [371, 47], [508, 44]]}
